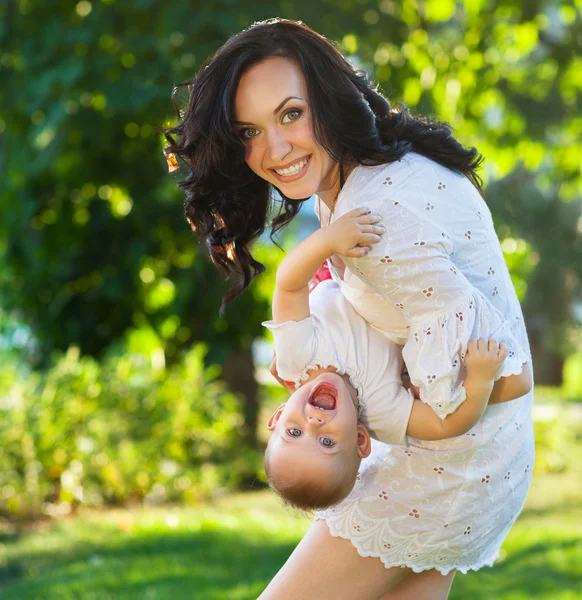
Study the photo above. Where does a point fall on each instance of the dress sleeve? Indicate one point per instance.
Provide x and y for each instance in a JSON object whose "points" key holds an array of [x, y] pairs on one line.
{"points": [[412, 268]]}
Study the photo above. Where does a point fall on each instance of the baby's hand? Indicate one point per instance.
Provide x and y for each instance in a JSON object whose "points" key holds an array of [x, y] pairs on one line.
{"points": [[354, 233], [484, 357]]}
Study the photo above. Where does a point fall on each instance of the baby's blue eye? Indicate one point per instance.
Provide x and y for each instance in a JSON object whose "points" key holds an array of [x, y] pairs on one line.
{"points": [[294, 432], [327, 442]]}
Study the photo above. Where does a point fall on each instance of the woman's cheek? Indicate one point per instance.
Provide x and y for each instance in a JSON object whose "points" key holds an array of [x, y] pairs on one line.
{"points": [[251, 157], [305, 132]]}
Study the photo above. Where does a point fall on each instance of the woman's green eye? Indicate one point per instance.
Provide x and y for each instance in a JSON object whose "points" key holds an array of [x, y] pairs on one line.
{"points": [[326, 442], [248, 134], [294, 432], [292, 115]]}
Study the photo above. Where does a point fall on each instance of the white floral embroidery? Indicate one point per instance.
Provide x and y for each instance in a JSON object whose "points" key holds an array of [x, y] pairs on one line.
{"points": [[451, 502]]}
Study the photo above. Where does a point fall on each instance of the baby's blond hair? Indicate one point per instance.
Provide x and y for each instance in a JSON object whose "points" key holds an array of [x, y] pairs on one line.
{"points": [[308, 493]]}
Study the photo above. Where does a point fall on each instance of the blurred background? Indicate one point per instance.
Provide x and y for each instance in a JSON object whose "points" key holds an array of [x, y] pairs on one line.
{"points": [[130, 410]]}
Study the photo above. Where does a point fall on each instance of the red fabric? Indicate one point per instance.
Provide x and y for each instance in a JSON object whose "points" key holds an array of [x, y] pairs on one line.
{"points": [[321, 275]]}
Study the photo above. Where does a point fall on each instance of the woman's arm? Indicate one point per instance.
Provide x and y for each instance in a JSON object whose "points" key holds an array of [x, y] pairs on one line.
{"points": [[483, 359], [352, 235], [512, 387]]}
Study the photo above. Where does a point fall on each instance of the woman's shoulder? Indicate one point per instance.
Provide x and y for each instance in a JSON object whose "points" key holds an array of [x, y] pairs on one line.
{"points": [[377, 179], [412, 180]]}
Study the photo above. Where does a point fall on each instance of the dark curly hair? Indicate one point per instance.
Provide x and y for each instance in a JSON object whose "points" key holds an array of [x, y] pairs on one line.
{"points": [[226, 203]]}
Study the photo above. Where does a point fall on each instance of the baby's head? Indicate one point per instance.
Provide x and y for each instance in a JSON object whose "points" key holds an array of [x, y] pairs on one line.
{"points": [[316, 443]]}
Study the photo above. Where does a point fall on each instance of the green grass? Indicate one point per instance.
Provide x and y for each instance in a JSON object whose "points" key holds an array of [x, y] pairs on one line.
{"points": [[230, 550], [226, 551]]}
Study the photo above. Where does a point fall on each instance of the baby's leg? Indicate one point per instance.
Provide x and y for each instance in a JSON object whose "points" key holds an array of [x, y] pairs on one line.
{"points": [[323, 566], [428, 585]]}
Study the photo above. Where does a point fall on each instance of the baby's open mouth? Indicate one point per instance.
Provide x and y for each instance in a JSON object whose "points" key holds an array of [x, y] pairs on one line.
{"points": [[324, 396]]}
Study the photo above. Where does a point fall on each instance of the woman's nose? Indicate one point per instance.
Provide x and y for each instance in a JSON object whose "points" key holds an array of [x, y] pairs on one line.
{"points": [[279, 147]]}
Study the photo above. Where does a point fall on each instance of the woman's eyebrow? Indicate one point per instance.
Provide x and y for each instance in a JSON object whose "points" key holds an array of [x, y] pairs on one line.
{"points": [[274, 112], [285, 102]]}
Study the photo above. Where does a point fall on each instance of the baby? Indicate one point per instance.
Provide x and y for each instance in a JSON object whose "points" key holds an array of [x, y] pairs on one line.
{"points": [[348, 377]]}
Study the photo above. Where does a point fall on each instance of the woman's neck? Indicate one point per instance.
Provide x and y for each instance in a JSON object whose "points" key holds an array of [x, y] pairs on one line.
{"points": [[328, 195]]}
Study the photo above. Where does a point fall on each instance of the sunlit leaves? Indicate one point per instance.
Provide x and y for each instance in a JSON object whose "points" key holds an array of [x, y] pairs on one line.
{"points": [[350, 43], [438, 10], [161, 294], [412, 91], [521, 260]]}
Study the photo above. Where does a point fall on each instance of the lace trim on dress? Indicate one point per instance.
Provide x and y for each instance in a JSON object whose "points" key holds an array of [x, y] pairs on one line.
{"points": [[417, 568]]}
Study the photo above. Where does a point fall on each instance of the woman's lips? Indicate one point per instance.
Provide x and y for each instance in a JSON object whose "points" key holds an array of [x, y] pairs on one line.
{"points": [[324, 396], [292, 178]]}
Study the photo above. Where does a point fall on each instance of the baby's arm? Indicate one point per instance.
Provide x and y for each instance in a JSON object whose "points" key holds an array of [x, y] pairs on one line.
{"points": [[482, 360], [351, 235]]}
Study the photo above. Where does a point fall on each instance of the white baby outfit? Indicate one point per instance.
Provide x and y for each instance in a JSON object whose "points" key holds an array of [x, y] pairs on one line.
{"points": [[336, 336], [437, 279]]}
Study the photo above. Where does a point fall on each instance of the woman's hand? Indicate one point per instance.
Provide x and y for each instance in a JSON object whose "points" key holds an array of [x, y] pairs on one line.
{"points": [[353, 234]]}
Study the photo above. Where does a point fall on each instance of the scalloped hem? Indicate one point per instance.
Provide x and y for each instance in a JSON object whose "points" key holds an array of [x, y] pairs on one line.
{"points": [[515, 365], [416, 568]]}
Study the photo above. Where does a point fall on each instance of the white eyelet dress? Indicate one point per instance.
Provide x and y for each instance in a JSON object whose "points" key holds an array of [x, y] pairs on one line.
{"points": [[437, 279]]}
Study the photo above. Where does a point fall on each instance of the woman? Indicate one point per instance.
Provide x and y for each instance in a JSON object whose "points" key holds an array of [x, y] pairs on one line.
{"points": [[278, 107]]}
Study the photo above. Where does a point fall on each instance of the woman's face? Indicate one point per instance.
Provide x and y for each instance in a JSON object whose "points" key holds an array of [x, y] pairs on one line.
{"points": [[274, 120]]}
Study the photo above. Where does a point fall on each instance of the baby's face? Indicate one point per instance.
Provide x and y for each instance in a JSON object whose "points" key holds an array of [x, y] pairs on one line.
{"points": [[317, 425]]}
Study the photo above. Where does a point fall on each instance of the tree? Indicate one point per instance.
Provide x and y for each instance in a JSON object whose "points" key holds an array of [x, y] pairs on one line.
{"points": [[95, 244], [91, 226]]}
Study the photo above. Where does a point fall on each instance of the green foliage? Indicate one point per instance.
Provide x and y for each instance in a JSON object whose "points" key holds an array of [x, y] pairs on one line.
{"points": [[555, 441], [92, 232], [116, 432], [573, 377], [91, 228]]}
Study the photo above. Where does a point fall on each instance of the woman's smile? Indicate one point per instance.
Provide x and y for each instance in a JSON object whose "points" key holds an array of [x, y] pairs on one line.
{"points": [[293, 171]]}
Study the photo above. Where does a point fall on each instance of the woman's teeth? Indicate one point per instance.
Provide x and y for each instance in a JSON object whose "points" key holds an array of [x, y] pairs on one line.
{"points": [[292, 170]]}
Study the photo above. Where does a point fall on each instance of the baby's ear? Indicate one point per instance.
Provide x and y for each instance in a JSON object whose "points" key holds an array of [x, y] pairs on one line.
{"points": [[274, 418], [364, 442]]}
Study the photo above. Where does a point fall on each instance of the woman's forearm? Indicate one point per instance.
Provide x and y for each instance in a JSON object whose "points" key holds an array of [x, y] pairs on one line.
{"points": [[510, 388]]}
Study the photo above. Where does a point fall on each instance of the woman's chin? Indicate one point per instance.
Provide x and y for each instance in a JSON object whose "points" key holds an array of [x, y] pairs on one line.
{"points": [[296, 197], [298, 193]]}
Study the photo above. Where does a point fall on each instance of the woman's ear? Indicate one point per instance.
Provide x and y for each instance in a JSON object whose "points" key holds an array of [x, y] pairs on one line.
{"points": [[364, 442], [274, 418]]}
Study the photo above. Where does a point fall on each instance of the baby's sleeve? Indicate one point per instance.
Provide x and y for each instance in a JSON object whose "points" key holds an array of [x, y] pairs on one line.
{"points": [[295, 347]]}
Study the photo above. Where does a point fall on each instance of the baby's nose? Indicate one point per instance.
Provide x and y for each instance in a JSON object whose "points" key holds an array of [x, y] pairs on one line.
{"points": [[315, 418]]}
